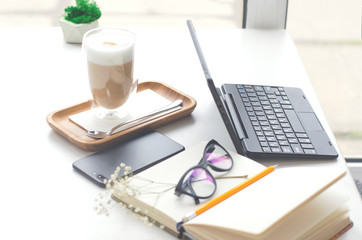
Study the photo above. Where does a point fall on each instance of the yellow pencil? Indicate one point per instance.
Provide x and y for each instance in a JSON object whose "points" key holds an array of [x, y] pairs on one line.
{"points": [[229, 193]]}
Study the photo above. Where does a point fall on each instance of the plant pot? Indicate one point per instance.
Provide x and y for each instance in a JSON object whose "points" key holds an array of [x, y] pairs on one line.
{"points": [[73, 33]]}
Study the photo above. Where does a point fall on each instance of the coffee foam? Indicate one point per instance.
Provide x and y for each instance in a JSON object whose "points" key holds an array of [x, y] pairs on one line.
{"points": [[109, 48]]}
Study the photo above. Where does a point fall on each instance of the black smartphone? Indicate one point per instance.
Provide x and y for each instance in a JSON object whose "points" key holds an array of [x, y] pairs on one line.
{"points": [[139, 153]]}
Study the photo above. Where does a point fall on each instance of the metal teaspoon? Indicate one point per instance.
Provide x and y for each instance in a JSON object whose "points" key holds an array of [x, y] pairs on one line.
{"points": [[100, 135]]}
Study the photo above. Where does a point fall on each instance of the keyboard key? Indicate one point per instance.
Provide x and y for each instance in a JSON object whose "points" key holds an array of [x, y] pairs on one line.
{"points": [[284, 102], [264, 144], [264, 123], [276, 127], [261, 139], [268, 89], [249, 90], [268, 133], [255, 123], [263, 98], [266, 149], [310, 151], [309, 146], [285, 125], [290, 135], [276, 150], [274, 122], [257, 128], [271, 117], [258, 88], [271, 139], [283, 120], [266, 128], [288, 130], [259, 133], [287, 149], [304, 140], [283, 143], [287, 107], [278, 132], [262, 118], [247, 104], [292, 140], [281, 137], [301, 135], [296, 148], [273, 144]]}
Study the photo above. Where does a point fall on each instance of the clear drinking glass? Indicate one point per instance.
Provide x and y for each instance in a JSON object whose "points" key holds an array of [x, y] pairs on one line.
{"points": [[110, 59]]}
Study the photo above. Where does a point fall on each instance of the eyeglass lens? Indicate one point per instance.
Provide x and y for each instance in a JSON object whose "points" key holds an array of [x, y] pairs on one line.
{"points": [[218, 157], [200, 182]]}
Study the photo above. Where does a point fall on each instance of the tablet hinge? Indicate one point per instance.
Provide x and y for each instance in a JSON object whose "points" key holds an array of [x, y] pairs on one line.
{"points": [[234, 116]]}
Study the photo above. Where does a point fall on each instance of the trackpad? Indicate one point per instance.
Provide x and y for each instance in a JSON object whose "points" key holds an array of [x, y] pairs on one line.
{"points": [[310, 121]]}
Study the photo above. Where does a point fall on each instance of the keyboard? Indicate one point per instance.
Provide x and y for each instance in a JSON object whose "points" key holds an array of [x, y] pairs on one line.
{"points": [[274, 120]]}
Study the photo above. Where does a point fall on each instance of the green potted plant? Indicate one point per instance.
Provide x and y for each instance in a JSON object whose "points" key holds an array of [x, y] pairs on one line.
{"points": [[79, 19]]}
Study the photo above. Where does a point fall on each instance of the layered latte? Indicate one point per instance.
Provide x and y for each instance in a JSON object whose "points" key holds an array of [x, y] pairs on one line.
{"points": [[110, 66]]}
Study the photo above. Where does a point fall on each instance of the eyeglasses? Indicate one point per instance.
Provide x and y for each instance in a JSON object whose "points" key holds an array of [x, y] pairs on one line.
{"points": [[198, 182]]}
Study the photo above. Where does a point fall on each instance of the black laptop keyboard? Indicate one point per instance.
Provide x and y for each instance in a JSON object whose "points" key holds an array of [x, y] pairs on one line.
{"points": [[274, 120]]}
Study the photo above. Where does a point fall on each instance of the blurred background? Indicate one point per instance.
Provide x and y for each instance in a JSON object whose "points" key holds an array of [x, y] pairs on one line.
{"points": [[327, 34]]}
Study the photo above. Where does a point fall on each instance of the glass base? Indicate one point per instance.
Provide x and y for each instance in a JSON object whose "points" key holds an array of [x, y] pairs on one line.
{"points": [[110, 115], [118, 114]]}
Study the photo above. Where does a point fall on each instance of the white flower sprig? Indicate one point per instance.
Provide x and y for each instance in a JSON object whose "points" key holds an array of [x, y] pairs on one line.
{"points": [[123, 189]]}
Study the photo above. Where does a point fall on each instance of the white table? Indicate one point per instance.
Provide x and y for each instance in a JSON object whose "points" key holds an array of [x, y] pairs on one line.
{"points": [[43, 197]]}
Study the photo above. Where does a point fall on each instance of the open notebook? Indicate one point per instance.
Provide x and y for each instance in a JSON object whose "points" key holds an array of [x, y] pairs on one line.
{"points": [[289, 203]]}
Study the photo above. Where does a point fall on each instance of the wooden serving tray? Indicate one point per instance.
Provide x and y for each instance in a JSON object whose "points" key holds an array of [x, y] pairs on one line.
{"points": [[60, 122]]}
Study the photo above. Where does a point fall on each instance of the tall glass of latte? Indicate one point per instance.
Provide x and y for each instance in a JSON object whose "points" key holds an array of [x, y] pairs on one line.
{"points": [[110, 58]]}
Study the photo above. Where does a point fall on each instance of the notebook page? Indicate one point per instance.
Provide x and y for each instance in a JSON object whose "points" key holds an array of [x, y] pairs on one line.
{"points": [[255, 209]]}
